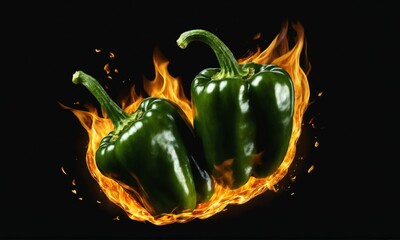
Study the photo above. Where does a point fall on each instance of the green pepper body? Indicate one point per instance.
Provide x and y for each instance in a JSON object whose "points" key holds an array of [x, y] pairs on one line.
{"points": [[152, 153], [243, 114]]}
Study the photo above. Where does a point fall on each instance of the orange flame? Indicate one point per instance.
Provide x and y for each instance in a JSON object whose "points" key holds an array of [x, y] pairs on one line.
{"points": [[164, 85]]}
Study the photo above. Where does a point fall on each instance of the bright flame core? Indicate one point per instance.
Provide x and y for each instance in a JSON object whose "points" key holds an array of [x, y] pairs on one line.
{"points": [[164, 85]]}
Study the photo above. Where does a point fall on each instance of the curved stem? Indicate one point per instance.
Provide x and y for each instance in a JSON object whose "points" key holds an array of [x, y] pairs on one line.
{"points": [[118, 117], [228, 64]]}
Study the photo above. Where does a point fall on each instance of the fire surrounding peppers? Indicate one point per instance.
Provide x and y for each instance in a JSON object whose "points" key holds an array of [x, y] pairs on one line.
{"points": [[151, 153], [243, 113]]}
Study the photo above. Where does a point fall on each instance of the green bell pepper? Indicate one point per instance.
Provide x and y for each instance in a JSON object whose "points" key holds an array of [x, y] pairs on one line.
{"points": [[151, 153], [243, 113]]}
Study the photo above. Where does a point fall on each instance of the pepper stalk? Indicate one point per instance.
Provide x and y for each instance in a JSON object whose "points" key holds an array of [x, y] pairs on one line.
{"points": [[119, 118], [229, 67]]}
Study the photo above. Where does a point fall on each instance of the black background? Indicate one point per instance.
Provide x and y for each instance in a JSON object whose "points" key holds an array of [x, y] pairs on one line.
{"points": [[352, 47]]}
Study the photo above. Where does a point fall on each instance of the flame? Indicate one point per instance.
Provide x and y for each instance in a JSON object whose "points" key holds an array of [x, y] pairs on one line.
{"points": [[164, 85]]}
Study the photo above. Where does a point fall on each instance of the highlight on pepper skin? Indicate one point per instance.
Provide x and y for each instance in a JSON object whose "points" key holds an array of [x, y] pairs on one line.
{"points": [[203, 162]]}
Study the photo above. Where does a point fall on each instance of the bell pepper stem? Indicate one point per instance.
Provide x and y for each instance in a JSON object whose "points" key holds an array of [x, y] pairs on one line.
{"points": [[229, 67], [119, 118]]}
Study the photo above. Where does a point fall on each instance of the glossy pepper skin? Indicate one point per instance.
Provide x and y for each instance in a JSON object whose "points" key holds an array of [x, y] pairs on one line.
{"points": [[243, 113], [151, 153]]}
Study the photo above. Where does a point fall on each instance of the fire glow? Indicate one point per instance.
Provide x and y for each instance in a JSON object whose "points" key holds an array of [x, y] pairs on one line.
{"points": [[164, 85]]}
